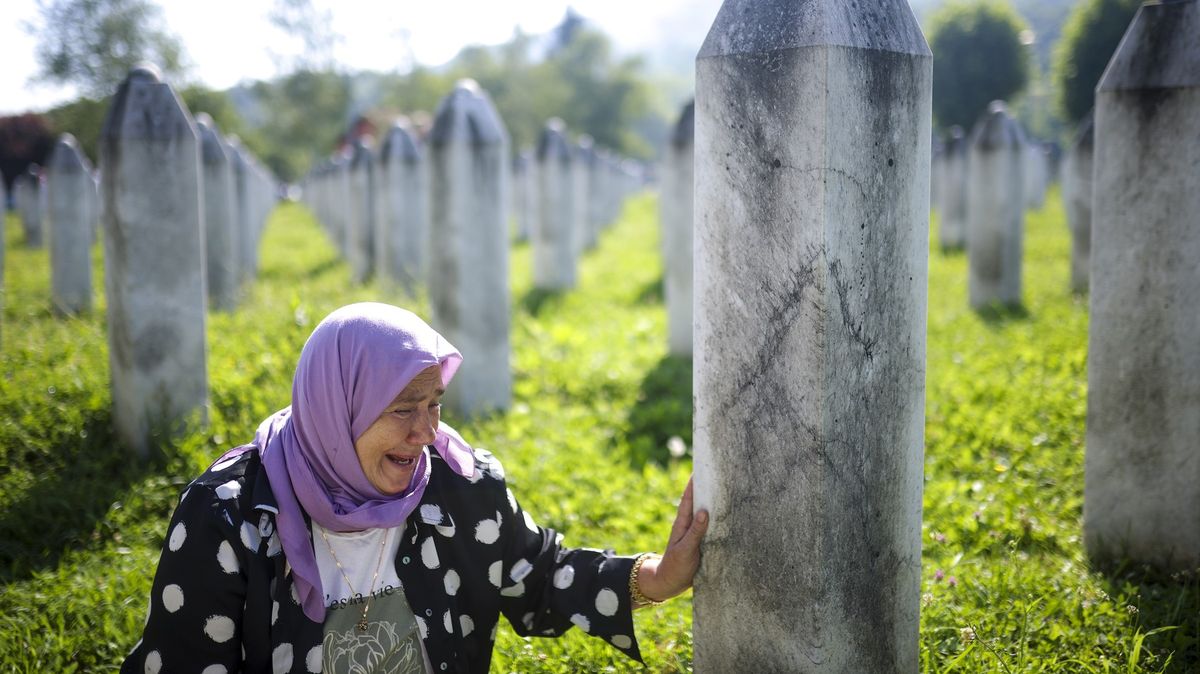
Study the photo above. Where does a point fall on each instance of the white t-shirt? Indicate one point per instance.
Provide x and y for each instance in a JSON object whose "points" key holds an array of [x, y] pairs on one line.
{"points": [[391, 642]]}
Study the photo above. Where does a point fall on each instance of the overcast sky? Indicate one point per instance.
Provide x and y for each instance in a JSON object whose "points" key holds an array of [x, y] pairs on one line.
{"points": [[227, 41]]}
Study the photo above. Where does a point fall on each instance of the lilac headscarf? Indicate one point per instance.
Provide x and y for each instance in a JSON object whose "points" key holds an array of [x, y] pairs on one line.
{"points": [[353, 366]]}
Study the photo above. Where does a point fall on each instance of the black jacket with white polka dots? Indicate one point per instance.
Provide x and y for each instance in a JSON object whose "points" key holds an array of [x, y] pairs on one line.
{"points": [[223, 600]]}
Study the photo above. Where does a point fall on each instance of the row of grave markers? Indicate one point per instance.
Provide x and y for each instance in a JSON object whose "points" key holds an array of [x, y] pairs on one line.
{"points": [[181, 211], [812, 164], [434, 213]]}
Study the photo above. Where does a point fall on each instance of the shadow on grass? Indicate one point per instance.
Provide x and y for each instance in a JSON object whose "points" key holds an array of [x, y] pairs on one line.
{"points": [[997, 314], [538, 299], [663, 410], [1170, 602], [651, 293], [74, 486]]}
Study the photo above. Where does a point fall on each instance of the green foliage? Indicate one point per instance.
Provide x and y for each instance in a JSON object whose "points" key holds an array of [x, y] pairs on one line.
{"points": [[977, 58], [308, 112], [1005, 580], [82, 118], [1090, 37], [218, 106], [94, 43]]}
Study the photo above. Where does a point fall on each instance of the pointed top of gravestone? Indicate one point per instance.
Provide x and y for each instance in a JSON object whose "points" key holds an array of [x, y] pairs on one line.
{"points": [[1160, 50], [399, 144], [759, 26], [145, 108], [467, 115], [67, 157], [996, 130], [955, 140], [585, 150], [146, 72], [362, 154], [213, 150], [685, 129], [552, 144]]}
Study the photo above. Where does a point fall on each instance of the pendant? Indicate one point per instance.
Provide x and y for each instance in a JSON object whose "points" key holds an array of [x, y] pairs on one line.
{"points": [[362, 623]]}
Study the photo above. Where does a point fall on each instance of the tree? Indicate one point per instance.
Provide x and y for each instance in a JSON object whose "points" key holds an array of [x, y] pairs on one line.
{"points": [[303, 22], [1090, 37], [24, 140], [977, 58], [94, 43]]}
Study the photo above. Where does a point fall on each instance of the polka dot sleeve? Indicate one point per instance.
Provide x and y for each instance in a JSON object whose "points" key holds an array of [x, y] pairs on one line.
{"points": [[546, 589], [199, 590]]}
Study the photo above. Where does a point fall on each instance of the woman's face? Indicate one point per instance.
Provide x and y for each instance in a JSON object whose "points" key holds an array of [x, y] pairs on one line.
{"points": [[389, 448]]}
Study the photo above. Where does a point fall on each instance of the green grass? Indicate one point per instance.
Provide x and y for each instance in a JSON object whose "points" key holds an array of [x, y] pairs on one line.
{"points": [[595, 400]]}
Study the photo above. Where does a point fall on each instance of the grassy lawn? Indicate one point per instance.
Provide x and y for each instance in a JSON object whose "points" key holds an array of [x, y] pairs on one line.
{"points": [[1006, 584]]}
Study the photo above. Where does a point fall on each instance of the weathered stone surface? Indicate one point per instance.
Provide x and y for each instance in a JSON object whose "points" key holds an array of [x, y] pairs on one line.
{"points": [[1142, 467], [581, 173], [69, 215], [220, 216], [154, 260], [554, 248], [1077, 195], [1035, 173], [675, 206], [812, 126], [360, 238], [239, 162], [31, 205], [995, 209], [468, 263], [402, 237], [523, 189], [952, 228]]}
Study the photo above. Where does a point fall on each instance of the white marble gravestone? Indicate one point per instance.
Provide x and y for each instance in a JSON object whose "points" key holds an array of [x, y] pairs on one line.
{"points": [[1142, 468], [554, 247], [676, 215], [468, 262], [812, 130], [68, 221], [154, 260], [995, 209]]}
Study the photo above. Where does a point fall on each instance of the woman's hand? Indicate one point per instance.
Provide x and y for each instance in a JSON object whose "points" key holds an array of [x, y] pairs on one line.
{"points": [[661, 578]]}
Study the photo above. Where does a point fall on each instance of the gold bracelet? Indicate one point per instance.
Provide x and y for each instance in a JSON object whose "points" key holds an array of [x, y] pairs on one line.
{"points": [[635, 590]]}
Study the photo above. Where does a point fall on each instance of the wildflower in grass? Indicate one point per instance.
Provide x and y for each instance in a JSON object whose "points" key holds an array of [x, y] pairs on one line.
{"points": [[952, 581], [966, 634], [927, 599], [1131, 609], [939, 537], [938, 575], [676, 447]]}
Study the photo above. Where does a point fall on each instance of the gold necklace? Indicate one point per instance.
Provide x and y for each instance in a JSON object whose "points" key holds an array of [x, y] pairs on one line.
{"points": [[362, 622]]}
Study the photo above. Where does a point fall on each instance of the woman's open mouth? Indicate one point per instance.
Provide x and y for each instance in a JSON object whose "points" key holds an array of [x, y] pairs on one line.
{"points": [[401, 460]]}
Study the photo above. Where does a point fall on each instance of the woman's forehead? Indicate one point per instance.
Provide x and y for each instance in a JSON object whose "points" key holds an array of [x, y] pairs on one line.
{"points": [[427, 382]]}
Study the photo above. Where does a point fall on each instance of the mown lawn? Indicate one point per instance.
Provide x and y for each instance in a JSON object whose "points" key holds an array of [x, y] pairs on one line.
{"points": [[1006, 584]]}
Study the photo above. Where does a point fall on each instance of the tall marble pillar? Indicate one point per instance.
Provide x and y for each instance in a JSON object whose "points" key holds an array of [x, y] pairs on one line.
{"points": [[1141, 498], [1077, 195], [69, 213], [812, 125], [468, 286], [554, 248], [995, 209], [402, 232], [676, 215], [220, 216], [154, 272]]}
